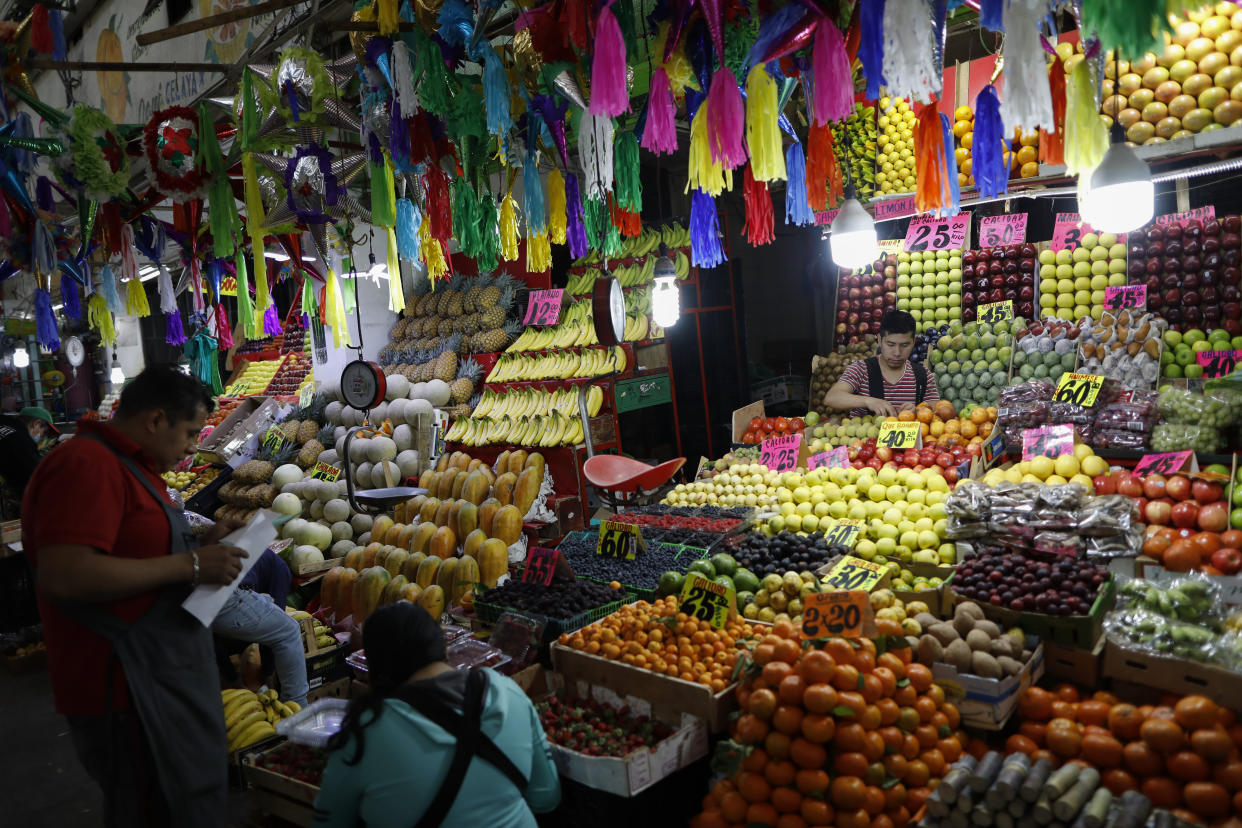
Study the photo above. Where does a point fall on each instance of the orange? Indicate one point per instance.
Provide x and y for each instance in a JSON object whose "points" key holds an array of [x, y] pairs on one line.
{"points": [[733, 807], [1124, 721], [1229, 774], [818, 728], [1101, 750], [963, 113], [850, 737], [806, 754], [1207, 799], [846, 678], [763, 813], [1030, 169], [776, 744], [920, 677], [1194, 712], [848, 794], [1018, 743], [1118, 781], [791, 689], [753, 787], [762, 703], [812, 781], [854, 701], [917, 774], [819, 698], [873, 747], [1064, 742], [788, 651], [786, 800], [856, 818], [751, 729], [896, 765], [774, 672], [1141, 760], [934, 760], [816, 812], [1162, 791], [1067, 692], [1027, 154], [1213, 744], [927, 736], [1035, 731], [1188, 767], [791, 821], [850, 764], [1094, 712], [908, 719], [950, 748], [817, 667], [874, 801], [780, 773], [1163, 735], [787, 719], [756, 760]]}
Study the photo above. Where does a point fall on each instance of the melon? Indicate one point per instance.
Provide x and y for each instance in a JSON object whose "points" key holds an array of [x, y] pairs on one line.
{"points": [[382, 448], [379, 481], [342, 531], [438, 393], [362, 475], [378, 414], [397, 386], [417, 407], [293, 529], [363, 539], [342, 548], [305, 555], [288, 473], [403, 436], [418, 391], [329, 456], [359, 449], [396, 411], [325, 490], [287, 504], [316, 509], [332, 412], [361, 523], [407, 461], [336, 510]]}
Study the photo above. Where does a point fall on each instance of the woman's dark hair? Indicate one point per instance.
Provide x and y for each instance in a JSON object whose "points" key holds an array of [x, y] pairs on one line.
{"points": [[166, 388], [399, 640], [897, 322]]}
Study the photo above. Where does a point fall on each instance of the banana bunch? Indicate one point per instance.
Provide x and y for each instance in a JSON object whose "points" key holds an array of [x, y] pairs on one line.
{"points": [[858, 138], [636, 274], [535, 402], [576, 328], [323, 634], [589, 362], [555, 429], [636, 328], [647, 242], [676, 236], [581, 283], [251, 717]]}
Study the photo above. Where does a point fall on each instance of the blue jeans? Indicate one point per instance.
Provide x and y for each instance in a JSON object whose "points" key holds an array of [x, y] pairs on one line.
{"points": [[254, 618]]}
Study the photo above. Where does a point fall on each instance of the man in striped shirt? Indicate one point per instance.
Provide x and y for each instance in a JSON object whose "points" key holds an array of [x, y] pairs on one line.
{"points": [[889, 382]]}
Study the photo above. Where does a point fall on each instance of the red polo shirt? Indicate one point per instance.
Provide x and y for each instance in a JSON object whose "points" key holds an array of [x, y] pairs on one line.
{"points": [[81, 494]]}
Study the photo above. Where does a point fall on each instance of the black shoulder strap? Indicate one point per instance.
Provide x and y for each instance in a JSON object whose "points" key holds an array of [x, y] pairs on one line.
{"points": [[920, 382], [467, 728], [875, 379]]}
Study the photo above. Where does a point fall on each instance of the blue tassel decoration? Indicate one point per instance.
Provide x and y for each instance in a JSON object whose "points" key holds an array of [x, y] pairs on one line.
{"points": [[871, 45], [992, 15], [496, 96], [797, 207], [107, 286], [45, 321], [69, 296], [409, 219], [575, 230], [57, 24], [456, 22], [43, 194], [705, 248], [990, 170], [773, 28], [950, 169], [532, 184], [399, 139]]}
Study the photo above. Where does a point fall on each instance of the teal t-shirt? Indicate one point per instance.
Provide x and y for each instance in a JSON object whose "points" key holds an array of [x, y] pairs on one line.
{"points": [[407, 757]]}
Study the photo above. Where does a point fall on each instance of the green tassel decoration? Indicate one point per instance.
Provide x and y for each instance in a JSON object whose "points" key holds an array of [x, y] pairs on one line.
{"points": [[308, 297], [466, 218], [612, 241], [222, 210], [433, 90], [245, 310], [383, 201], [489, 234], [596, 222], [1133, 25], [628, 183], [249, 126]]}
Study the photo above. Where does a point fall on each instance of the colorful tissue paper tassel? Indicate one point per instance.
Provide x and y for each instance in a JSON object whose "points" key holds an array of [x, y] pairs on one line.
{"points": [[136, 299], [763, 132], [929, 163], [909, 67], [609, 96], [705, 247], [538, 253], [871, 45], [819, 166], [396, 297], [596, 221], [508, 229], [556, 207], [990, 169], [726, 120], [660, 132], [334, 308], [705, 174], [797, 208], [45, 321], [628, 223], [950, 169], [408, 220], [224, 333], [431, 252], [833, 93], [69, 296], [173, 333], [532, 188], [1052, 141], [100, 318], [1086, 137], [628, 181], [1028, 101], [271, 321], [245, 308], [760, 219], [575, 228], [107, 286]]}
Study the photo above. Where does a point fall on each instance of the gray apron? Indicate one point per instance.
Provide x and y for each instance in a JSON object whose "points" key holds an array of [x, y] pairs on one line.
{"points": [[170, 667]]}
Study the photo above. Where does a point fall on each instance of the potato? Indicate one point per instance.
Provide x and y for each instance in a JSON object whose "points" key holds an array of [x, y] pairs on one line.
{"points": [[1009, 666], [944, 633], [1005, 646], [989, 627], [958, 654], [930, 650], [978, 640], [926, 619], [982, 664]]}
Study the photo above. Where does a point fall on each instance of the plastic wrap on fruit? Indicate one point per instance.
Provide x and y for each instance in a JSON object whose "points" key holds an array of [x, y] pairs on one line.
{"points": [[1181, 436], [1108, 515], [1191, 597], [1111, 438], [1138, 628], [1106, 548], [1066, 496], [1027, 392], [1218, 409], [1127, 416], [1058, 544], [969, 501]]}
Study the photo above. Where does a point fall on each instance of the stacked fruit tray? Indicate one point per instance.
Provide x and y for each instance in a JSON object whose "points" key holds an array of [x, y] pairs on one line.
{"points": [[640, 576]]}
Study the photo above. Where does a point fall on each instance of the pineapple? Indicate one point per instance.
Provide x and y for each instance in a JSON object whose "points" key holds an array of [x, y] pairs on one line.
{"points": [[467, 376], [310, 426], [497, 339], [445, 366], [314, 447], [257, 470], [290, 425], [475, 293]]}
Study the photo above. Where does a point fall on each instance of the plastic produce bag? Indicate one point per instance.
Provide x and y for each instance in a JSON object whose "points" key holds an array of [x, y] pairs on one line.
{"points": [[1108, 515], [1114, 438], [1180, 436], [1106, 548], [1216, 409], [1190, 597], [1128, 416]]}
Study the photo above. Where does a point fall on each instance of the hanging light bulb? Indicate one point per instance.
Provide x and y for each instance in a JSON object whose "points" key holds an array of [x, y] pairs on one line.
{"points": [[1122, 196], [21, 357], [118, 373], [666, 301], [853, 239]]}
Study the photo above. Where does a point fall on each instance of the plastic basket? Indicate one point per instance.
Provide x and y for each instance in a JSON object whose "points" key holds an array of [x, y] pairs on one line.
{"points": [[490, 614], [316, 724]]}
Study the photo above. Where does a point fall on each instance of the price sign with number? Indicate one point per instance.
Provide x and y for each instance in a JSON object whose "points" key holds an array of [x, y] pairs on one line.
{"points": [[274, 438], [781, 453], [706, 600], [1047, 441], [306, 395], [1067, 232], [837, 458], [323, 471], [995, 312], [540, 566], [1121, 297], [898, 435], [928, 233], [1167, 463], [1218, 363], [544, 307], [994, 446], [854, 573], [843, 613], [1200, 213], [1078, 389], [995, 231], [620, 540]]}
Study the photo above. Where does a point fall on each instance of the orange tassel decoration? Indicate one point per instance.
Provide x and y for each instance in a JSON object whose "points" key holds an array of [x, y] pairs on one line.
{"points": [[1052, 144], [825, 186], [931, 192], [629, 224]]}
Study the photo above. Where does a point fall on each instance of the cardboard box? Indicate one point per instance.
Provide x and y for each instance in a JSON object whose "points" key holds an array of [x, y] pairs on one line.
{"points": [[631, 774], [1072, 664], [988, 703], [1230, 585], [338, 689], [1173, 675], [1081, 631], [669, 697], [252, 418], [326, 666]]}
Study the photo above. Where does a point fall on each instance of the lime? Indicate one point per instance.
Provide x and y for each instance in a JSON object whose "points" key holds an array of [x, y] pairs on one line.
{"points": [[725, 581], [746, 580]]}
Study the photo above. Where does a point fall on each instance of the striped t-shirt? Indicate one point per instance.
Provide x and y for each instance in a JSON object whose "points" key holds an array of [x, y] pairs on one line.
{"points": [[897, 394]]}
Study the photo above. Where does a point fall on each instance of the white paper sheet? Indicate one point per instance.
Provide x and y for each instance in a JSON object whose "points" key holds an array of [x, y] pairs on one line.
{"points": [[206, 601]]}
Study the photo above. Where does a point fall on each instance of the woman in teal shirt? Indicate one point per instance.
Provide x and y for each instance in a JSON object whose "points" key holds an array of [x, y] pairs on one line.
{"points": [[395, 765]]}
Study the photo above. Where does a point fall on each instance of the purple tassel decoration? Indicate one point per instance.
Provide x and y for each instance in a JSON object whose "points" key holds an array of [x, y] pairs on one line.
{"points": [[705, 247], [871, 45], [45, 321], [173, 333], [271, 322], [797, 207], [69, 296], [575, 229], [990, 170]]}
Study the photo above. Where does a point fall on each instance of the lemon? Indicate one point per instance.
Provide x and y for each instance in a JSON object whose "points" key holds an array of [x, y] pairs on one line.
{"points": [[1066, 466], [1040, 467], [1083, 451], [1084, 481], [1092, 465]]}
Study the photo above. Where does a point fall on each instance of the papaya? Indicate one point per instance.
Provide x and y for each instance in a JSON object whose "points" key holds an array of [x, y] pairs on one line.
{"points": [[473, 542], [535, 460], [487, 472], [413, 505], [393, 534], [345, 594], [466, 575], [432, 600], [427, 480], [527, 489], [442, 513], [422, 537], [353, 558], [502, 462], [454, 512], [406, 536], [427, 571], [444, 488], [443, 462], [410, 568], [467, 520], [411, 593], [446, 577], [427, 514], [443, 543], [382, 555], [395, 562], [368, 555], [458, 483], [475, 487], [460, 460], [474, 464], [392, 590], [507, 525], [502, 489], [398, 513], [487, 513], [379, 529], [367, 591], [517, 462], [493, 561], [328, 589]]}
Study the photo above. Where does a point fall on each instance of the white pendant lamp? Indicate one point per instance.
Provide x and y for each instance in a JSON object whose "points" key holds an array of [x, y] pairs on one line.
{"points": [[117, 377], [1122, 197], [853, 239], [21, 357], [666, 297]]}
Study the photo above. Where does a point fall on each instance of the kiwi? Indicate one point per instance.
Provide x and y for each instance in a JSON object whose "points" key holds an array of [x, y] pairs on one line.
{"points": [[969, 608], [926, 619], [944, 633], [1005, 646], [930, 650], [982, 664], [978, 640], [1009, 666], [989, 627], [963, 623], [958, 654]]}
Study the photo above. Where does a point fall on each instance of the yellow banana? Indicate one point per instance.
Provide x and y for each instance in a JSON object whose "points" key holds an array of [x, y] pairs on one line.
{"points": [[257, 732]]}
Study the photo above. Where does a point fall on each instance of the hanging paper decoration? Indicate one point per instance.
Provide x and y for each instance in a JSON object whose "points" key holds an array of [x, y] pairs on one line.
{"points": [[704, 173], [1086, 137], [991, 15], [496, 95], [538, 253], [1028, 101], [488, 251], [823, 179], [833, 93], [396, 297], [596, 221], [1134, 26], [575, 229], [705, 244], [45, 320], [1052, 142], [871, 44], [660, 132], [245, 309], [222, 210], [334, 307], [759, 216], [908, 64], [726, 116], [408, 219], [95, 159], [990, 168], [933, 190], [383, 191], [609, 95], [202, 355], [107, 287], [953, 207], [69, 295], [532, 186], [628, 180], [508, 228], [797, 208], [556, 207], [170, 141], [173, 333], [100, 318], [595, 139], [431, 252], [403, 78], [136, 299], [763, 134]]}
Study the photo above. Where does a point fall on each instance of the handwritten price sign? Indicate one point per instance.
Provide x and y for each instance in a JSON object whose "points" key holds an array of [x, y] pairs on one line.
{"points": [[996, 312], [1079, 389], [837, 613], [844, 532], [995, 231], [937, 233], [540, 566], [1218, 363], [1121, 297], [854, 573], [838, 458], [323, 471], [544, 307], [274, 438], [780, 454], [1167, 463], [306, 395], [706, 600], [619, 540], [1067, 232], [1180, 219], [898, 435], [894, 208], [1047, 441]]}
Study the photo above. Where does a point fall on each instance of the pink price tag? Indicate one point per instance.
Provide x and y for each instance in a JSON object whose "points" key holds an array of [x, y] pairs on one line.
{"points": [[837, 458], [1180, 219], [544, 307], [928, 233], [781, 453], [1168, 463], [894, 208], [1218, 363], [995, 231], [1067, 231], [1047, 441], [1121, 297], [540, 566]]}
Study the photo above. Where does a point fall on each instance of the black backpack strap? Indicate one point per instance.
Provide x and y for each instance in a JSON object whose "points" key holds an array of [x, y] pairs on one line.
{"points": [[875, 379], [920, 382]]}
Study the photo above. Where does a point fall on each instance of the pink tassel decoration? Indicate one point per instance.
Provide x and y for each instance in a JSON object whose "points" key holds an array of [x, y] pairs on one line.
{"points": [[660, 133], [834, 85], [609, 95], [726, 120], [223, 332]]}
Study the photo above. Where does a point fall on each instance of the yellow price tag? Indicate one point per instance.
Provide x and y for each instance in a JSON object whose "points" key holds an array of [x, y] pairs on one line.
{"points": [[706, 600], [620, 540], [899, 435], [845, 532], [995, 312], [1078, 389], [306, 395], [855, 573], [323, 471]]}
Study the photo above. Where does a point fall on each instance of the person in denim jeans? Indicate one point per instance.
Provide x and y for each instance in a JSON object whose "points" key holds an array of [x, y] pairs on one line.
{"points": [[255, 613]]}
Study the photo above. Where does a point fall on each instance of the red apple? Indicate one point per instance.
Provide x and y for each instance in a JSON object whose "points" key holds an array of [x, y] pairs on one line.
{"points": [[1104, 484], [883, 454], [1206, 491], [1186, 515], [1228, 560], [1130, 487], [1178, 487], [1154, 485], [950, 475], [1158, 513], [1214, 517]]}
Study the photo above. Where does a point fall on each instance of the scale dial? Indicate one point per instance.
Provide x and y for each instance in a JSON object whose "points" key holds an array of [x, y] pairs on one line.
{"points": [[363, 384], [608, 307], [75, 351]]}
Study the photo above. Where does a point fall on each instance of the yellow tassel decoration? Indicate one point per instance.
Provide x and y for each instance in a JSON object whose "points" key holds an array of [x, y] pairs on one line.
{"points": [[508, 229], [556, 207], [432, 255], [1086, 137], [136, 299], [396, 296], [334, 309], [538, 253], [255, 221], [678, 67], [388, 18], [100, 318], [763, 133], [705, 174]]}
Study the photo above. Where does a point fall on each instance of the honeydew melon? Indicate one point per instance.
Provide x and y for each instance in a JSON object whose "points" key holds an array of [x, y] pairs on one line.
{"points": [[287, 503], [342, 531], [305, 554], [407, 462], [397, 387], [336, 510], [288, 473], [293, 528], [402, 438], [438, 393]]}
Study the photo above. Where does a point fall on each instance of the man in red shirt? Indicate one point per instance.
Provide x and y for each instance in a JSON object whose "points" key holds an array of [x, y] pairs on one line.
{"points": [[888, 382], [101, 535]]}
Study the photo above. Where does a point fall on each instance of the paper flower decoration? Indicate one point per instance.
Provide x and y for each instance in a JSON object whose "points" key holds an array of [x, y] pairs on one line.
{"points": [[170, 141]]}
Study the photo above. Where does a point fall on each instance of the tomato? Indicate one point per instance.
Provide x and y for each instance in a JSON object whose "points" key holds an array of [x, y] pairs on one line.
{"points": [[769, 424], [782, 425], [797, 425], [750, 437], [756, 424]]}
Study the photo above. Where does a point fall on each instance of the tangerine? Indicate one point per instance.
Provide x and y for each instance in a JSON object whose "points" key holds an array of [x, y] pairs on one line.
{"points": [[1164, 735], [848, 793], [1194, 712], [812, 781], [819, 698]]}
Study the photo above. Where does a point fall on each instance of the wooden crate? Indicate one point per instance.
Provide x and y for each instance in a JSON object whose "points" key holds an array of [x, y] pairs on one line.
{"points": [[279, 795]]}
